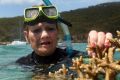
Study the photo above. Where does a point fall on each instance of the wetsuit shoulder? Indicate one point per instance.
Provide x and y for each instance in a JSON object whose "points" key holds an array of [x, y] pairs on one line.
{"points": [[58, 56], [25, 60]]}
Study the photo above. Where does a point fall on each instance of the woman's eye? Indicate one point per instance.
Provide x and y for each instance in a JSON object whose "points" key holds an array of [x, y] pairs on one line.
{"points": [[37, 31], [51, 29], [47, 30]]}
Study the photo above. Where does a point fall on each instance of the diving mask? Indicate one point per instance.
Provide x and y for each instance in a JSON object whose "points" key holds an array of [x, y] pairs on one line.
{"points": [[37, 14]]}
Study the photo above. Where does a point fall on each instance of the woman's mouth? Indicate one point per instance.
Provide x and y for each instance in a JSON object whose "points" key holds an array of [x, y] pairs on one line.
{"points": [[45, 43]]}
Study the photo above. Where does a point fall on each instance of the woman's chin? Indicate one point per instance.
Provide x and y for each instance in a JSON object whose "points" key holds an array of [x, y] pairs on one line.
{"points": [[45, 51]]}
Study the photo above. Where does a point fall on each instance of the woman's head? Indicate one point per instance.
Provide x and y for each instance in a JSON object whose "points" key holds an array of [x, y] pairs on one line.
{"points": [[42, 37]]}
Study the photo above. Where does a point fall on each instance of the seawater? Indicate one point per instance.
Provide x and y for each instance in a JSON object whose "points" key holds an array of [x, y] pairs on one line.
{"points": [[9, 54]]}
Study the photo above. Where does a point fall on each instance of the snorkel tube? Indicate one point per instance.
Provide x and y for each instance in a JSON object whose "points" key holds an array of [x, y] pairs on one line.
{"points": [[64, 24]]}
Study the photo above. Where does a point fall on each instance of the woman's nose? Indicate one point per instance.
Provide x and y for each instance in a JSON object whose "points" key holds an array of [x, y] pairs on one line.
{"points": [[44, 34]]}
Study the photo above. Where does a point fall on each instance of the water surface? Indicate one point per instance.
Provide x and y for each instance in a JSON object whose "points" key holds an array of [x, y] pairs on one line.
{"points": [[9, 54]]}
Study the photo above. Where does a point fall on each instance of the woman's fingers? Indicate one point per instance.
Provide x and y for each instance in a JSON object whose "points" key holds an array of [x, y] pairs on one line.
{"points": [[92, 41], [107, 39], [101, 39], [92, 38]]}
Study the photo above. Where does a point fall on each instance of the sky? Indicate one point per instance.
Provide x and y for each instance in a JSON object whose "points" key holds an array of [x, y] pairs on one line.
{"points": [[12, 8]]}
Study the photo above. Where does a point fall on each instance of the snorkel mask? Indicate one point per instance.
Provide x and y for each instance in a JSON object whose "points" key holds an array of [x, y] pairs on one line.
{"points": [[38, 14]]}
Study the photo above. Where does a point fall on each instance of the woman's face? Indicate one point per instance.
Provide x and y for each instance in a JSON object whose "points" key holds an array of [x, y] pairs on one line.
{"points": [[42, 38]]}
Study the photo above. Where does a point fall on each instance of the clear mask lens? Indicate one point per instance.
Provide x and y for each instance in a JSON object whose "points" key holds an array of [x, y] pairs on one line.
{"points": [[32, 13], [50, 11]]}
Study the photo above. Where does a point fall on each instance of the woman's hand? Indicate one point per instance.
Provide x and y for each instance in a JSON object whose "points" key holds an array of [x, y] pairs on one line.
{"points": [[98, 40]]}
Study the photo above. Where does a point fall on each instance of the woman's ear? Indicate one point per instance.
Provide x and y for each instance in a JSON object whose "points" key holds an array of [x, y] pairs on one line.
{"points": [[26, 33]]}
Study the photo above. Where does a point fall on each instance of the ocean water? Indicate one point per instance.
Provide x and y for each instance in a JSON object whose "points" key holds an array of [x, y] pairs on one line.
{"points": [[9, 54]]}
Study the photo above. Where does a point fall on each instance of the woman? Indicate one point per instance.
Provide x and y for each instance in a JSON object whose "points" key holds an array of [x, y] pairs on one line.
{"points": [[42, 34], [43, 39]]}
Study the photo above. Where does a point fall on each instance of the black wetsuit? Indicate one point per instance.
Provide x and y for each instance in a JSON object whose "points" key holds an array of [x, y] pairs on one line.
{"points": [[34, 59], [43, 63]]}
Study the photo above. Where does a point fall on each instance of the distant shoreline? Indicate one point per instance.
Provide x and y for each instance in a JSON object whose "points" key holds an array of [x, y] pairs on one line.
{"points": [[4, 43]]}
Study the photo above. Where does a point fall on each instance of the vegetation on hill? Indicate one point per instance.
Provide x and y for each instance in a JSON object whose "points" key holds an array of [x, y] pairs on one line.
{"points": [[102, 17], [10, 28]]}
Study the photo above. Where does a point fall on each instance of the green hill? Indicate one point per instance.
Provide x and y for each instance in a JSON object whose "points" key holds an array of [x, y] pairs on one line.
{"points": [[10, 28], [102, 17]]}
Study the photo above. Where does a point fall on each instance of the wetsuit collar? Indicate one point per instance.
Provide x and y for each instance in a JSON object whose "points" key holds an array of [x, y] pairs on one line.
{"points": [[56, 56]]}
